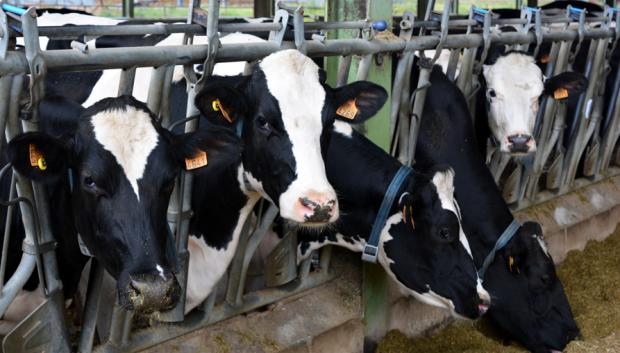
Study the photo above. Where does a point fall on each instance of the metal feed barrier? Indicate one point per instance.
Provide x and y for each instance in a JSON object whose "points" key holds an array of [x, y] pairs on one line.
{"points": [[45, 329]]}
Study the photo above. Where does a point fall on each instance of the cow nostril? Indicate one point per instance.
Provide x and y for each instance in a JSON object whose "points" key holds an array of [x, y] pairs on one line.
{"points": [[519, 139], [306, 202], [444, 233]]}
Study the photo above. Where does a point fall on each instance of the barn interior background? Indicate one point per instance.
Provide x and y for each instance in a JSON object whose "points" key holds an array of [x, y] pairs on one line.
{"points": [[348, 308]]}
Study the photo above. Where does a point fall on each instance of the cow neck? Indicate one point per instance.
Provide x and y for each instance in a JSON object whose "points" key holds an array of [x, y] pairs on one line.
{"points": [[447, 137], [353, 164], [221, 204]]}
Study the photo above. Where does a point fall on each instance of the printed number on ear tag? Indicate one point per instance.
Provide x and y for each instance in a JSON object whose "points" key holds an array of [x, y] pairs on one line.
{"points": [[36, 157], [560, 93], [199, 160], [348, 109], [217, 106]]}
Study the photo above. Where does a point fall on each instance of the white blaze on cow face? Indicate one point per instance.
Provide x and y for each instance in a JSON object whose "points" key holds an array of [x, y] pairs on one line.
{"points": [[514, 86], [444, 183], [130, 136], [293, 80]]}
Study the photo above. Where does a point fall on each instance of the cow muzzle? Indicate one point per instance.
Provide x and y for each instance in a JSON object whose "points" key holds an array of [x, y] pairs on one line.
{"points": [[521, 143], [147, 293], [317, 208]]}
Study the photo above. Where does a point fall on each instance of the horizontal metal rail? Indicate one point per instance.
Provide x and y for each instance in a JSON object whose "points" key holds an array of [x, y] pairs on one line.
{"points": [[108, 58]]}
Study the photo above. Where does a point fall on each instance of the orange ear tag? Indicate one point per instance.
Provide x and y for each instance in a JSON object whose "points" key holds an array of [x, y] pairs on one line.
{"points": [[36, 157], [560, 93], [199, 160], [217, 106], [545, 58], [348, 109], [511, 264]]}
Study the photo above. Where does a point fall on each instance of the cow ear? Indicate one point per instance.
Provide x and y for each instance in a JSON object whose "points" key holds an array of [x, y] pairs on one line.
{"points": [[565, 85], [38, 156], [358, 101], [221, 99], [210, 147]]}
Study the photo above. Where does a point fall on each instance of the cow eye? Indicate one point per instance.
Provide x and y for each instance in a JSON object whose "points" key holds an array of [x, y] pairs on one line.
{"points": [[89, 182], [263, 124], [491, 93]]}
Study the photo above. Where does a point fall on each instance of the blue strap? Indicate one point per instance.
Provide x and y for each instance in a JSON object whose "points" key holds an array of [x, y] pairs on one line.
{"points": [[371, 249], [239, 127], [13, 9], [501, 242]]}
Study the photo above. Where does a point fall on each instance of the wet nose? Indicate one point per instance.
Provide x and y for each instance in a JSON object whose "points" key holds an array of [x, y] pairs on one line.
{"points": [[153, 292], [484, 302], [318, 207], [519, 142]]}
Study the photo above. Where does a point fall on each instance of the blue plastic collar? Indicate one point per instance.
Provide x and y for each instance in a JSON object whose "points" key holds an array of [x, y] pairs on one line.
{"points": [[371, 249], [501, 242]]}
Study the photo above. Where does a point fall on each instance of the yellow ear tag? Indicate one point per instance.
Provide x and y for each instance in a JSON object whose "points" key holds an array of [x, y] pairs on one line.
{"points": [[411, 217], [36, 157], [511, 264], [545, 59], [348, 109], [217, 106], [197, 161], [560, 93]]}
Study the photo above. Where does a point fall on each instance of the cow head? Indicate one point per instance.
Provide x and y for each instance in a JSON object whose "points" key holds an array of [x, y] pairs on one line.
{"points": [[428, 252], [122, 166], [514, 87], [284, 112], [532, 306]]}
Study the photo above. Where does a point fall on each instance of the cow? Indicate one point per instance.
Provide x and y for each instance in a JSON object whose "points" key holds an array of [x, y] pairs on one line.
{"points": [[283, 114], [528, 300], [422, 248], [109, 171]]}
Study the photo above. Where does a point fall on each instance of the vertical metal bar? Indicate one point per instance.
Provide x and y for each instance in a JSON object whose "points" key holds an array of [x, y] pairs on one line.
{"points": [[125, 85], [344, 66], [7, 233], [91, 307], [128, 8], [156, 86]]}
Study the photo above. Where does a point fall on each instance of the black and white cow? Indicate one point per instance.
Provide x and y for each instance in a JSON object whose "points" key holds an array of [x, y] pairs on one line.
{"points": [[528, 301], [284, 113], [508, 102], [109, 171], [424, 248]]}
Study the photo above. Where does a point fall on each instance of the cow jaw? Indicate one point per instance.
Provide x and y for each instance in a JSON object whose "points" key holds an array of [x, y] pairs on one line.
{"points": [[514, 85]]}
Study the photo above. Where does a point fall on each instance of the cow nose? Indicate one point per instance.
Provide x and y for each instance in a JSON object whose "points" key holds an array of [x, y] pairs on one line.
{"points": [[519, 142], [484, 301], [318, 208], [153, 292]]}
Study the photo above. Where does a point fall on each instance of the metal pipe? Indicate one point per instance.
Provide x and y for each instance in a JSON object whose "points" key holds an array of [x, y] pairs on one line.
{"points": [[91, 307], [7, 233], [105, 58]]}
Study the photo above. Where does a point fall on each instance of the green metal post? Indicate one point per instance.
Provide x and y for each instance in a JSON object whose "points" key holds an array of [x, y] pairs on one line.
{"points": [[375, 281], [128, 6], [263, 8]]}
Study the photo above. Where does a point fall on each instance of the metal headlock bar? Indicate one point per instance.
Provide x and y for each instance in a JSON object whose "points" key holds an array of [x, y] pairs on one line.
{"points": [[283, 277]]}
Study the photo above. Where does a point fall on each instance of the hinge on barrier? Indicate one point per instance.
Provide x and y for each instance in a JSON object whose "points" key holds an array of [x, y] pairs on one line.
{"points": [[172, 216], [39, 250], [575, 13], [370, 253]]}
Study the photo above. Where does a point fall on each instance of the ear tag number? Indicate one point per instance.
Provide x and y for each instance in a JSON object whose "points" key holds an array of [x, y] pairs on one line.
{"points": [[36, 157], [560, 93], [348, 109], [197, 161], [217, 106]]}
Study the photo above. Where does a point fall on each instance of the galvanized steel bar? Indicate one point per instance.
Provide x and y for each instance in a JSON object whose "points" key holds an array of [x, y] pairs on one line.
{"points": [[91, 307]]}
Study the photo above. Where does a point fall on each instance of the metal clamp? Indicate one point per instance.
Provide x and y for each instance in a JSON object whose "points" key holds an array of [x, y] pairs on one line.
{"points": [[370, 253], [281, 16], [40, 249], [577, 15], [298, 26]]}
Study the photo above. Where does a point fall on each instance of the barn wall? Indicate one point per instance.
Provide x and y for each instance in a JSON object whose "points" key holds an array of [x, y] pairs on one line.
{"points": [[329, 318]]}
